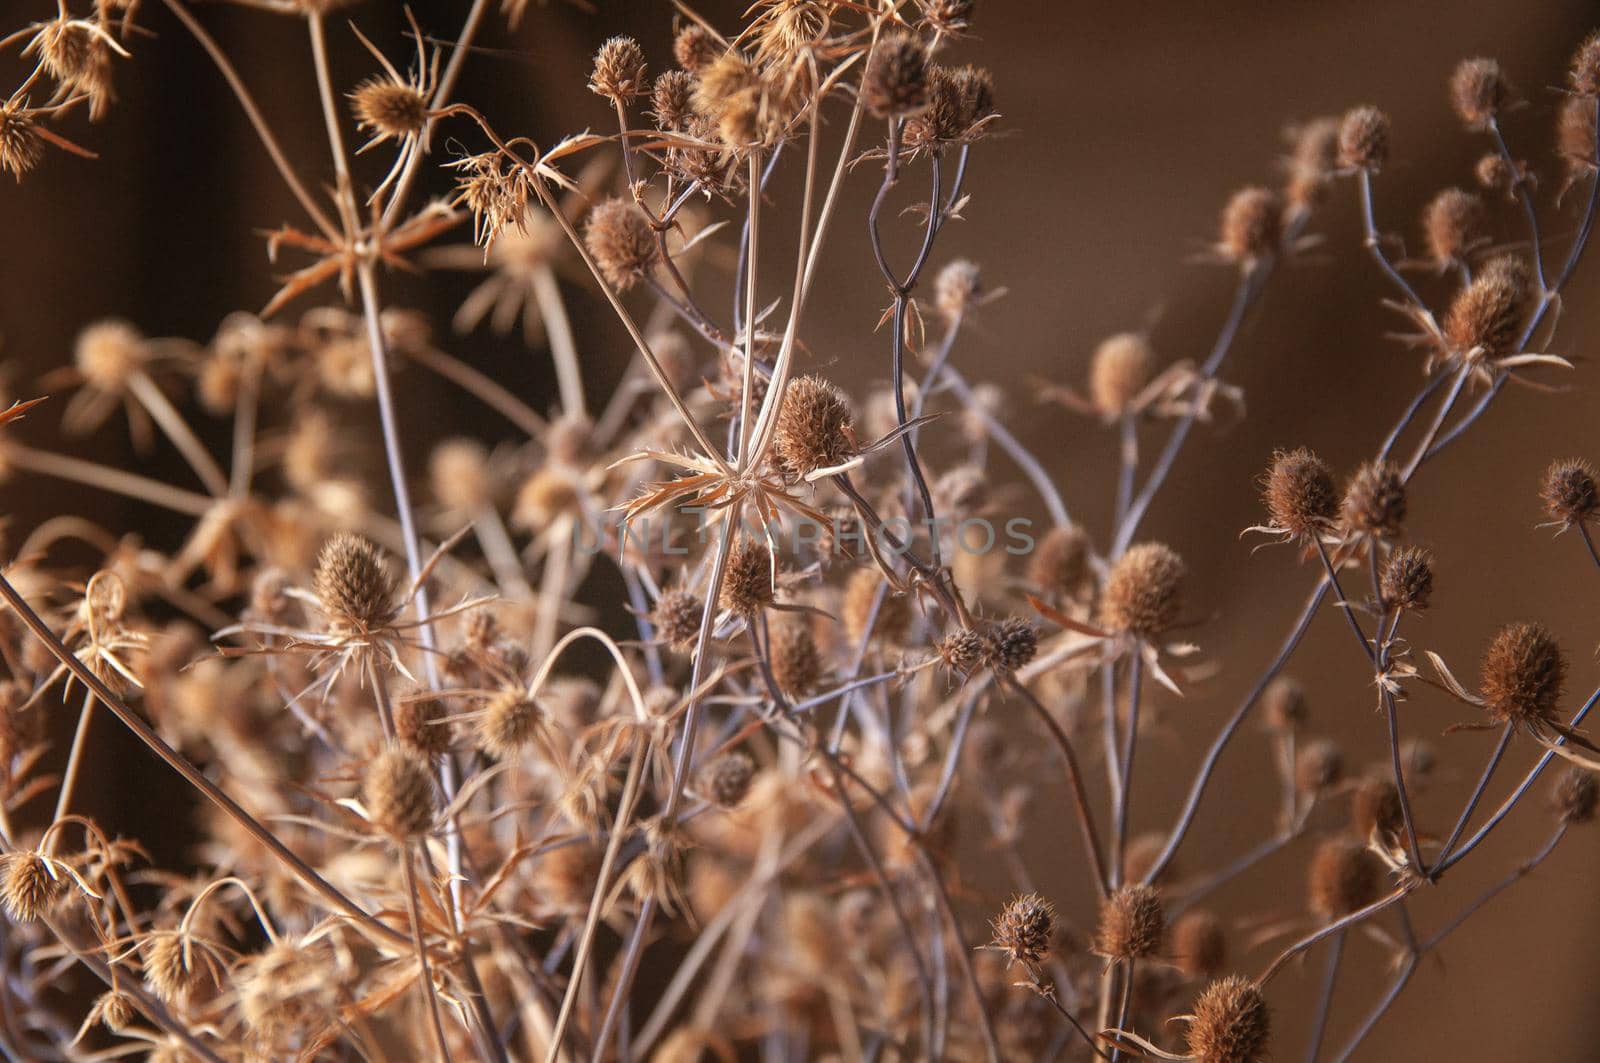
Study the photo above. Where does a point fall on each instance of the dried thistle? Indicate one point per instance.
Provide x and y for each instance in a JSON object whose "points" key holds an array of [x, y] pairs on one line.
{"points": [[1132, 923], [1143, 591], [1024, 929]]}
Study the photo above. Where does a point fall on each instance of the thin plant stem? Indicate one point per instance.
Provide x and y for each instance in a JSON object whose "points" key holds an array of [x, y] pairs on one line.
{"points": [[106, 478], [69, 775], [481, 387], [425, 970], [157, 405], [1130, 743], [563, 348], [1330, 979], [1477, 793]]}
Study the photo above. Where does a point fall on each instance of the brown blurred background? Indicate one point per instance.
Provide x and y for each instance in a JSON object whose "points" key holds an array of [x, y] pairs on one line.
{"points": [[1127, 125]]}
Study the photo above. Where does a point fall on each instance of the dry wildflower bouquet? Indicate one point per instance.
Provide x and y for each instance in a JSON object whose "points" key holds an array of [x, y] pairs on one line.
{"points": [[452, 802]]}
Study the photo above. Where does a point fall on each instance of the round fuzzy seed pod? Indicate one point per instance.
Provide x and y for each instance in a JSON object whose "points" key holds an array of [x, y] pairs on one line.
{"points": [[1122, 365], [1485, 318], [1059, 566], [1478, 91], [1494, 173], [1407, 581], [1132, 923], [1284, 702], [1024, 929], [108, 352], [1570, 494], [1522, 675], [956, 288], [1345, 877], [1364, 139], [695, 48], [619, 237], [175, 972], [1231, 1023], [398, 792], [1010, 644], [796, 665], [1575, 135], [1313, 156], [511, 722], [458, 471], [1199, 944], [1576, 794], [419, 726], [353, 583], [948, 17], [1450, 224], [894, 612], [1299, 494], [28, 886], [1143, 591], [747, 579], [21, 146], [114, 1011], [962, 651], [1318, 766], [1585, 71], [1375, 501], [676, 618], [386, 108], [958, 100], [1252, 226], [672, 100], [618, 70], [1375, 807], [726, 780], [813, 430], [896, 81]]}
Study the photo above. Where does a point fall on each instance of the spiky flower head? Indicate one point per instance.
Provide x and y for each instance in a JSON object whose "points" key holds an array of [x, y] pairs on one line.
{"points": [[353, 583], [1121, 367], [1143, 592], [1407, 580], [726, 780], [1133, 924], [1569, 491], [676, 618], [1024, 928], [619, 237], [1375, 501], [1450, 225], [1364, 139], [1576, 794], [1252, 226], [1199, 944], [896, 81], [397, 790], [1345, 877], [29, 885], [1299, 494], [387, 108], [1231, 1023], [1485, 318], [814, 428], [1478, 91], [1522, 675], [619, 71]]}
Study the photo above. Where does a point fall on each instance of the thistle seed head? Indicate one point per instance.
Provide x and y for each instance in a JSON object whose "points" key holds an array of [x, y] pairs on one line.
{"points": [[1009, 644], [1121, 367], [1485, 318], [962, 651], [1299, 494], [1575, 134], [1375, 501], [511, 722], [389, 109], [747, 579], [1252, 226], [619, 237], [1584, 74], [1143, 592], [619, 70], [1132, 923], [1284, 702], [1318, 766], [397, 790], [814, 428], [353, 583], [1523, 674], [1450, 225], [1199, 944], [1407, 580], [1059, 566], [695, 48], [1576, 794], [1024, 929], [1570, 494], [1478, 91], [726, 780], [21, 146], [1345, 877], [1231, 1023], [1375, 808], [796, 664], [420, 727], [1364, 139], [672, 100], [676, 618], [896, 81], [29, 887], [956, 288]]}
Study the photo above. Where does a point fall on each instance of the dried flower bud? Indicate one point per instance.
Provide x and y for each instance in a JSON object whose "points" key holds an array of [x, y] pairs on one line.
{"points": [[1569, 492], [387, 108], [813, 430], [1199, 944], [1122, 365], [1231, 1023], [956, 288], [1010, 644], [726, 780], [959, 101], [1450, 225], [397, 790], [618, 70], [619, 237], [113, 1010], [1059, 565], [695, 48], [1485, 319], [1284, 702], [1299, 494], [962, 651], [1522, 675], [1313, 156], [29, 886], [672, 100], [1576, 794], [1495, 174], [676, 618], [1478, 91], [896, 81], [1375, 501], [21, 146], [1318, 766], [1345, 877], [1375, 808], [1585, 71], [1575, 141], [1143, 591], [1132, 923], [1364, 139], [893, 618], [730, 94], [419, 726], [353, 583], [747, 579], [511, 722], [176, 967], [1024, 929], [1252, 226], [1407, 581], [796, 665], [108, 352], [458, 470], [951, 18]]}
